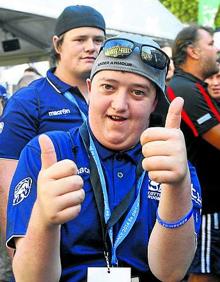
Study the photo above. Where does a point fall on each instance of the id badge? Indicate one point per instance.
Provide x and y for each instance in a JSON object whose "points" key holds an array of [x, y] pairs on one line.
{"points": [[101, 274]]}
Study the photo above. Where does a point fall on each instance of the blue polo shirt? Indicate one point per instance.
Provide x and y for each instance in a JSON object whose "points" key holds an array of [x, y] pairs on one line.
{"points": [[35, 109], [81, 238]]}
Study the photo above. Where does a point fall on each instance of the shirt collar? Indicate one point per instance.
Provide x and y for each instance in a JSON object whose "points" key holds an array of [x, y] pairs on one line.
{"points": [[59, 86], [190, 77], [134, 154]]}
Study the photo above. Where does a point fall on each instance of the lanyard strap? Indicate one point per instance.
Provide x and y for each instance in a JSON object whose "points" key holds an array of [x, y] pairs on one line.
{"points": [[107, 218], [72, 99]]}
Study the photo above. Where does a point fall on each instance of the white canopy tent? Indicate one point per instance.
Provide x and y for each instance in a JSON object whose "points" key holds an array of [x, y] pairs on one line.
{"points": [[30, 24]]}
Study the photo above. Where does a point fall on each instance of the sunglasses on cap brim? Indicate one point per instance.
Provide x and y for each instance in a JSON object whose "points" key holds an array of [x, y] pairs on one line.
{"points": [[122, 48]]}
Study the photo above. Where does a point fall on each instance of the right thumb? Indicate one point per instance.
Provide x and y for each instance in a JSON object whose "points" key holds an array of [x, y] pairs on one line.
{"points": [[48, 154]]}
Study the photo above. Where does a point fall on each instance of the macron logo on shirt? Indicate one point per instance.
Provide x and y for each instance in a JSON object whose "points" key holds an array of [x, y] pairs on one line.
{"points": [[59, 112]]}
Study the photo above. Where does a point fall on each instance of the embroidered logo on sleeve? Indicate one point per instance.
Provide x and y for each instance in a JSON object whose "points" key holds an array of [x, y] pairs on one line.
{"points": [[204, 118], [22, 190], [1, 126]]}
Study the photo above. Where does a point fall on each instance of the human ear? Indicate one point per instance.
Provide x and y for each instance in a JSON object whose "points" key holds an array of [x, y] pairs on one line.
{"points": [[193, 51], [55, 43], [89, 85]]}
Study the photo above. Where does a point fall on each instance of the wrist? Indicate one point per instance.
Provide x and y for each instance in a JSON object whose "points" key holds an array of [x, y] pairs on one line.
{"points": [[175, 224]]}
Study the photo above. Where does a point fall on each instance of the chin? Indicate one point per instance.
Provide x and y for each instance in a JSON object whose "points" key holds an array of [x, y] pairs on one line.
{"points": [[118, 146]]}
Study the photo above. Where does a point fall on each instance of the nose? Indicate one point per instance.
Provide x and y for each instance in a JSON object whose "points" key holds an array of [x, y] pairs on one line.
{"points": [[90, 45], [215, 81], [120, 101], [217, 49]]}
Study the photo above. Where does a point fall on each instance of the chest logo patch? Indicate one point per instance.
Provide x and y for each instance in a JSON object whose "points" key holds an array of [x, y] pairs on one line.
{"points": [[22, 190], [154, 190]]}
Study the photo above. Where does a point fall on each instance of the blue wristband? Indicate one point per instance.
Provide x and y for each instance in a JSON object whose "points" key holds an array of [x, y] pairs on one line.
{"points": [[175, 224]]}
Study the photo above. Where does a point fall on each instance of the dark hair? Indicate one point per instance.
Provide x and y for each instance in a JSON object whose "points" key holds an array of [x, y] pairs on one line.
{"points": [[187, 36], [32, 69]]}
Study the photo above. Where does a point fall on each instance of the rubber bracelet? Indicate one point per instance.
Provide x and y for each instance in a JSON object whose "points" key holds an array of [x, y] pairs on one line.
{"points": [[175, 224]]}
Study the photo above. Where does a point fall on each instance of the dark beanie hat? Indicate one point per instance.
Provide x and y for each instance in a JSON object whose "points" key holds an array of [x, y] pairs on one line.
{"points": [[78, 16]]}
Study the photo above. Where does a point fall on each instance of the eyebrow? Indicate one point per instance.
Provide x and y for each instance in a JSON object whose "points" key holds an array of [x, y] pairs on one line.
{"points": [[141, 85], [107, 79], [146, 86], [84, 36]]}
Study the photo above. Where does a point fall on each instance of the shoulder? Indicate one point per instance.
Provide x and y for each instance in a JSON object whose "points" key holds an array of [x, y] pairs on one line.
{"points": [[62, 141], [27, 93], [183, 85]]}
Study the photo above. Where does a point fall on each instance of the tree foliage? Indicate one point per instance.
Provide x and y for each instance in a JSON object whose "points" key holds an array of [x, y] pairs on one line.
{"points": [[217, 19], [186, 10]]}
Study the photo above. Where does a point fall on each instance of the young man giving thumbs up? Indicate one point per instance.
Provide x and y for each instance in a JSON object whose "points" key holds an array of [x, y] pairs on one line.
{"points": [[116, 197]]}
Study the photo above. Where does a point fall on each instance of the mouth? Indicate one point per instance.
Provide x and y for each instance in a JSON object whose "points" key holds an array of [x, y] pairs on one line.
{"points": [[117, 118], [89, 59], [216, 91]]}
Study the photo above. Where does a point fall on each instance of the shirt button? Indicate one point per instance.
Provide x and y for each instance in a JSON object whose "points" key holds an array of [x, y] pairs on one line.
{"points": [[120, 174]]}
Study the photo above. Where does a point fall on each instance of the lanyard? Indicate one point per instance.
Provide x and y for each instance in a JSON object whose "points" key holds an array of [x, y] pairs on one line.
{"points": [[72, 99], [108, 218]]}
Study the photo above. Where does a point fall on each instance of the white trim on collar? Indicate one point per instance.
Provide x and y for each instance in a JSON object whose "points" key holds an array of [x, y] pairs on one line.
{"points": [[51, 83]]}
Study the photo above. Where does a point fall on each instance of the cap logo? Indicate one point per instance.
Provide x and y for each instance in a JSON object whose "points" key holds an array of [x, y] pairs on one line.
{"points": [[114, 63], [116, 51]]}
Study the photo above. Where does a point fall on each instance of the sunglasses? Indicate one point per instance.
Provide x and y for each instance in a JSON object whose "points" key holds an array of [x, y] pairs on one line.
{"points": [[122, 48]]}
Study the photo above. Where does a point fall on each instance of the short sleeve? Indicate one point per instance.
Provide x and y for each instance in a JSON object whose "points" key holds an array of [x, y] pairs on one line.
{"points": [[18, 124], [23, 192]]}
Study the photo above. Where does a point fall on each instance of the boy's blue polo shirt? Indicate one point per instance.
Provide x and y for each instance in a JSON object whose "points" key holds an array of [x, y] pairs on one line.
{"points": [[81, 238], [35, 109]]}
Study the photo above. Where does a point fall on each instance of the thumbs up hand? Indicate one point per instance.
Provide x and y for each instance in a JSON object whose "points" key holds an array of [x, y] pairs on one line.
{"points": [[60, 192], [164, 149]]}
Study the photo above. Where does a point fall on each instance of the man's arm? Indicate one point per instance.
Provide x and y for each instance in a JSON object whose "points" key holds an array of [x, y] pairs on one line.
{"points": [[59, 198], [7, 169], [170, 251], [39, 251], [212, 136]]}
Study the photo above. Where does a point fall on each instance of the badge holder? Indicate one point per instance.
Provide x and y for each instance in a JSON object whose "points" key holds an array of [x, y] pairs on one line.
{"points": [[109, 274]]}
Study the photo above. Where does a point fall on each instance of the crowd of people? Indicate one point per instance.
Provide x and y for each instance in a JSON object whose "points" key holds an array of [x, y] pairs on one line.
{"points": [[108, 164]]}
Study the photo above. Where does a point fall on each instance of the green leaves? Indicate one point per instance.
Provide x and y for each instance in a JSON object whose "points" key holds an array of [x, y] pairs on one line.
{"points": [[187, 10]]}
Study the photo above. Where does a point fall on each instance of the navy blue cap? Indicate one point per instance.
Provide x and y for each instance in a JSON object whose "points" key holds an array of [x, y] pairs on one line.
{"points": [[78, 16]]}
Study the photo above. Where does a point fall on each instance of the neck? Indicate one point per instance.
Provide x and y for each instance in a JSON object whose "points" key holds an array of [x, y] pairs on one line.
{"points": [[72, 80], [193, 69]]}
